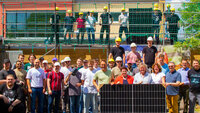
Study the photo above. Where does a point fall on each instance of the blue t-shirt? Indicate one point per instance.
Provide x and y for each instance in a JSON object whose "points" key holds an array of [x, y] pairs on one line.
{"points": [[172, 78], [165, 68]]}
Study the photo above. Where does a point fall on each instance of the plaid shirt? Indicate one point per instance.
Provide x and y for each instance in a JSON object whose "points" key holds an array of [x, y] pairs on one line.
{"points": [[56, 80]]}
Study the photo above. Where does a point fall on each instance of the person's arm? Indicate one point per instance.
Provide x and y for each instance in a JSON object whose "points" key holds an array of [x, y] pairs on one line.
{"points": [[177, 84], [17, 101], [95, 84], [50, 20], [124, 59], [167, 24], [178, 24], [2, 82], [5, 99], [119, 19], [143, 58], [110, 56], [82, 82], [49, 86], [67, 79], [100, 20], [29, 85]]}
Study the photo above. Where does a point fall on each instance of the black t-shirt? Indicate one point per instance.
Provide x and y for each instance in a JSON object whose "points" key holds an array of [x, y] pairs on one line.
{"points": [[173, 20], [12, 94], [4, 73], [117, 51], [167, 13], [194, 77], [150, 54], [57, 18], [105, 18]]}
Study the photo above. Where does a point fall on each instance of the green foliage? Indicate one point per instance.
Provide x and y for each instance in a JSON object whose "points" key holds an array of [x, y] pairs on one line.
{"points": [[189, 43], [191, 17]]}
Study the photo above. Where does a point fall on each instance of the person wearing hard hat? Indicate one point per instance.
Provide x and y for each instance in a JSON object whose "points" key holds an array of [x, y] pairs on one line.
{"points": [[133, 55], [149, 53], [167, 13], [173, 26], [105, 20], [66, 70], [91, 26], [157, 17], [80, 27], [68, 26], [117, 50], [111, 63], [54, 21], [123, 20], [116, 70]]}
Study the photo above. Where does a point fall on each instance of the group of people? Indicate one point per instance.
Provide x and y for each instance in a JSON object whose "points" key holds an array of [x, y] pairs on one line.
{"points": [[43, 85], [88, 24]]}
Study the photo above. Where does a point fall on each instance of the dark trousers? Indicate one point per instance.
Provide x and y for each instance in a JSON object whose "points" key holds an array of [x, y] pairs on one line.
{"points": [[74, 103], [82, 32], [19, 108], [184, 94], [173, 31], [55, 95], [121, 30], [107, 29], [53, 30], [156, 32], [65, 99]]}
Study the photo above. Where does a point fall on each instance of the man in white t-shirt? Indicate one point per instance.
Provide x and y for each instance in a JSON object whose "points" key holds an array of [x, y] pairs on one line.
{"points": [[37, 85], [90, 26], [123, 20], [66, 70], [89, 90]]}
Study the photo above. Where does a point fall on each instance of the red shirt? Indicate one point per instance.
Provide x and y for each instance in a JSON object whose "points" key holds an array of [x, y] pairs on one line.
{"points": [[120, 79], [81, 23], [56, 80]]}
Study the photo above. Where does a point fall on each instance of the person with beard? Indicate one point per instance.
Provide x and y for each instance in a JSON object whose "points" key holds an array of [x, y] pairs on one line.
{"points": [[20, 58], [11, 97]]}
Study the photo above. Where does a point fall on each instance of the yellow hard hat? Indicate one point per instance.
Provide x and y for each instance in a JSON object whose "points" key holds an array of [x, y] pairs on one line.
{"points": [[105, 7], [156, 5], [111, 60], [69, 11], [80, 13], [155, 9], [172, 9], [123, 9], [168, 5], [92, 11], [57, 8], [118, 39]]}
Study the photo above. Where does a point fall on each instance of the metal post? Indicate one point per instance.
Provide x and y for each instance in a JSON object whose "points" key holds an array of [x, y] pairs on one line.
{"points": [[109, 29], [55, 30], [164, 25]]}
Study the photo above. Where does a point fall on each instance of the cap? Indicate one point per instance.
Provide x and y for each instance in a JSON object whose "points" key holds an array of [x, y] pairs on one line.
{"points": [[133, 45], [172, 9], [45, 61], [67, 59], [168, 5], [57, 8], [92, 11], [57, 64], [156, 5], [6, 61], [85, 61], [80, 13], [54, 59], [123, 9], [62, 61], [150, 39], [105, 7], [118, 39], [69, 11], [41, 58], [111, 60], [118, 59]]}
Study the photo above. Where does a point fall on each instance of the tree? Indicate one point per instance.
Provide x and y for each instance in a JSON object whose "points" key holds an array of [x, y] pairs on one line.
{"points": [[191, 17]]}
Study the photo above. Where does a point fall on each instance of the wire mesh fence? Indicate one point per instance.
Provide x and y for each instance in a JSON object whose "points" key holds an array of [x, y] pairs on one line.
{"points": [[132, 21]]}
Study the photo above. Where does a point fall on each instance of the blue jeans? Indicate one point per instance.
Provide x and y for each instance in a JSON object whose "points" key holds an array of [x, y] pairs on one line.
{"points": [[56, 95], [37, 93], [93, 35], [74, 103], [81, 101], [90, 98], [192, 100]]}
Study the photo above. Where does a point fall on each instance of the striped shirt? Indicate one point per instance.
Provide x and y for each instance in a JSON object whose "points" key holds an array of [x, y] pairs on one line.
{"points": [[56, 80]]}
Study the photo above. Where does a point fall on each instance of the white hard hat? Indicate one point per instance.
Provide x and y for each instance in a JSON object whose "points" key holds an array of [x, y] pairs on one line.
{"points": [[62, 61], [57, 64], [133, 45], [150, 39], [67, 59], [45, 61], [118, 59]]}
